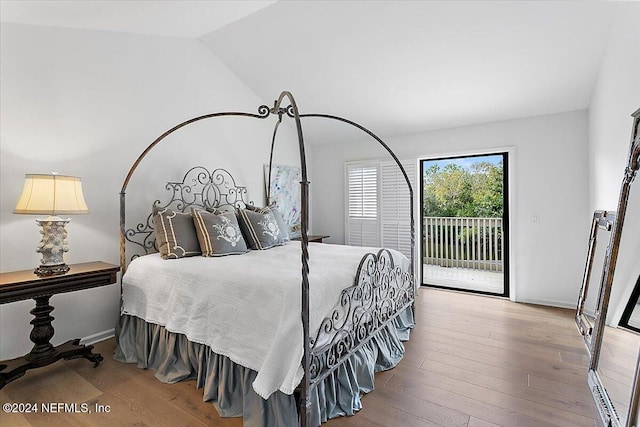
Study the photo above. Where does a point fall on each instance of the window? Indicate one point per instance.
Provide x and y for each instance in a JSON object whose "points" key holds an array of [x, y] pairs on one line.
{"points": [[396, 205], [378, 205], [363, 192], [362, 227]]}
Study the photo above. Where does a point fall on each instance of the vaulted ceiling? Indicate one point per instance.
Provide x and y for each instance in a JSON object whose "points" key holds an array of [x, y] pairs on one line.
{"points": [[177, 18], [398, 67]]}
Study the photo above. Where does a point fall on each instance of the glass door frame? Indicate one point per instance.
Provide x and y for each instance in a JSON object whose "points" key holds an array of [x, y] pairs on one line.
{"points": [[631, 305], [506, 237]]}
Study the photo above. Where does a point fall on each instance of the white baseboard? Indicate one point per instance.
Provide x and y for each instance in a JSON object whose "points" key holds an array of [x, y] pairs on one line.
{"points": [[100, 336], [551, 303]]}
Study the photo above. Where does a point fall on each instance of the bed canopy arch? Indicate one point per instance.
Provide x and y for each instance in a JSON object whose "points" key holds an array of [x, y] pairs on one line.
{"points": [[284, 105]]}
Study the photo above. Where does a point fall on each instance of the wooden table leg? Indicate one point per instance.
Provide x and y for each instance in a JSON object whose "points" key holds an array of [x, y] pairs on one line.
{"points": [[42, 331], [43, 352]]}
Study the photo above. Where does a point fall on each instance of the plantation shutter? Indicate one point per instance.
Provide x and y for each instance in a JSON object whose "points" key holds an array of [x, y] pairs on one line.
{"points": [[395, 205], [362, 227]]}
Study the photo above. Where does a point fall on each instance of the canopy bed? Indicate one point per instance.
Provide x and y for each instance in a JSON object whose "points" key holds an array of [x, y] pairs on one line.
{"points": [[279, 332]]}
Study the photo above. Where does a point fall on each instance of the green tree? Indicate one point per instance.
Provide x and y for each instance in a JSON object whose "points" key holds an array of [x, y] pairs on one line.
{"points": [[454, 191], [487, 189], [448, 191]]}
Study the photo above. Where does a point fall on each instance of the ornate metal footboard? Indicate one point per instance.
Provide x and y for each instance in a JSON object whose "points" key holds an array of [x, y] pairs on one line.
{"points": [[381, 292]]}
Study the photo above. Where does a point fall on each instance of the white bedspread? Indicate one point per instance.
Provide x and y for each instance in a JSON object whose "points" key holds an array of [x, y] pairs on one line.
{"points": [[246, 307]]}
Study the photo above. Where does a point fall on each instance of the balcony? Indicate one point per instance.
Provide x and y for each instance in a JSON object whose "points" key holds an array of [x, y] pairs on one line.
{"points": [[464, 253]]}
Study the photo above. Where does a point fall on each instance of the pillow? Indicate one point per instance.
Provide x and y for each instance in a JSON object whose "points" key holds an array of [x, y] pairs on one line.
{"points": [[218, 233], [175, 234], [278, 216], [261, 229]]}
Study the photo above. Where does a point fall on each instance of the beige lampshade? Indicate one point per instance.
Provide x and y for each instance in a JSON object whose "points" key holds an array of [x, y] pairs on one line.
{"points": [[51, 195]]}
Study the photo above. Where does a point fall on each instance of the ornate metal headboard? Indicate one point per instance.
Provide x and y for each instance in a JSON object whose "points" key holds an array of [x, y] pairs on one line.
{"points": [[198, 188]]}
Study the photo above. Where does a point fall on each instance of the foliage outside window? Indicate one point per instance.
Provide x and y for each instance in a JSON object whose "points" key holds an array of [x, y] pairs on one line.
{"points": [[454, 191]]}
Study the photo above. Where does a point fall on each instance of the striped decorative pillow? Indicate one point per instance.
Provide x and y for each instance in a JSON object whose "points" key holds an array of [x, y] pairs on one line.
{"points": [[261, 229], [218, 233], [276, 213], [175, 234]]}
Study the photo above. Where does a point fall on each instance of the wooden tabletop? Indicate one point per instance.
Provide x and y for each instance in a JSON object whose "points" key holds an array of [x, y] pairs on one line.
{"points": [[25, 284]]}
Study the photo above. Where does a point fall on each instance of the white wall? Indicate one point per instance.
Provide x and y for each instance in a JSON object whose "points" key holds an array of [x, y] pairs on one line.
{"points": [[87, 103], [615, 97], [550, 176]]}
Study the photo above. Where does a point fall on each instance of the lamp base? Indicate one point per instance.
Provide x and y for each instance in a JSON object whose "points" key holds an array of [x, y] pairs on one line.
{"points": [[52, 246], [51, 270]]}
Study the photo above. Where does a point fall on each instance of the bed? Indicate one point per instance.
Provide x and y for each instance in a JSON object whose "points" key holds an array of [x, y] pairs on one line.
{"points": [[280, 335]]}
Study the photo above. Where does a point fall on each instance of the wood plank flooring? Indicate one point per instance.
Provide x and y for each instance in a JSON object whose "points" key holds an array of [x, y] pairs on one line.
{"points": [[472, 361]]}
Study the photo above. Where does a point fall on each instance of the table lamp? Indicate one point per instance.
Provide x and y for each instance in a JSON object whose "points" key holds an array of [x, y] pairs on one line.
{"points": [[52, 195]]}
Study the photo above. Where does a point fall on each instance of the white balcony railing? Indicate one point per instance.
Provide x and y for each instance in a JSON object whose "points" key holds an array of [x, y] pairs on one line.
{"points": [[463, 242]]}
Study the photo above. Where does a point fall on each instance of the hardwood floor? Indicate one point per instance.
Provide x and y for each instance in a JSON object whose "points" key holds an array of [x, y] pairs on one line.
{"points": [[472, 361]]}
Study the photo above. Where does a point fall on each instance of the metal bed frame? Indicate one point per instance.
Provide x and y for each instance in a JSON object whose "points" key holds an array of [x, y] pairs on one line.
{"points": [[381, 291]]}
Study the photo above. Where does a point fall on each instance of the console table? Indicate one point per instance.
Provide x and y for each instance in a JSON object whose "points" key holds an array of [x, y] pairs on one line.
{"points": [[21, 285], [313, 238]]}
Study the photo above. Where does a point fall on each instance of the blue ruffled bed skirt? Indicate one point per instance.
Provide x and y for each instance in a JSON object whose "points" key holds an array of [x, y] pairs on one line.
{"points": [[228, 385]]}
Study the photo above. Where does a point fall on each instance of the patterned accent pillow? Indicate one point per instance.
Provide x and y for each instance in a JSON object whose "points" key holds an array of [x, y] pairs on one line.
{"points": [[261, 229], [276, 213], [218, 233], [175, 234]]}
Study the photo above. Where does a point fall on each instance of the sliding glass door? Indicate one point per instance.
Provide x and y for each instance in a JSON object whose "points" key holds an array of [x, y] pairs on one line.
{"points": [[631, 315], [465, 224]]}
